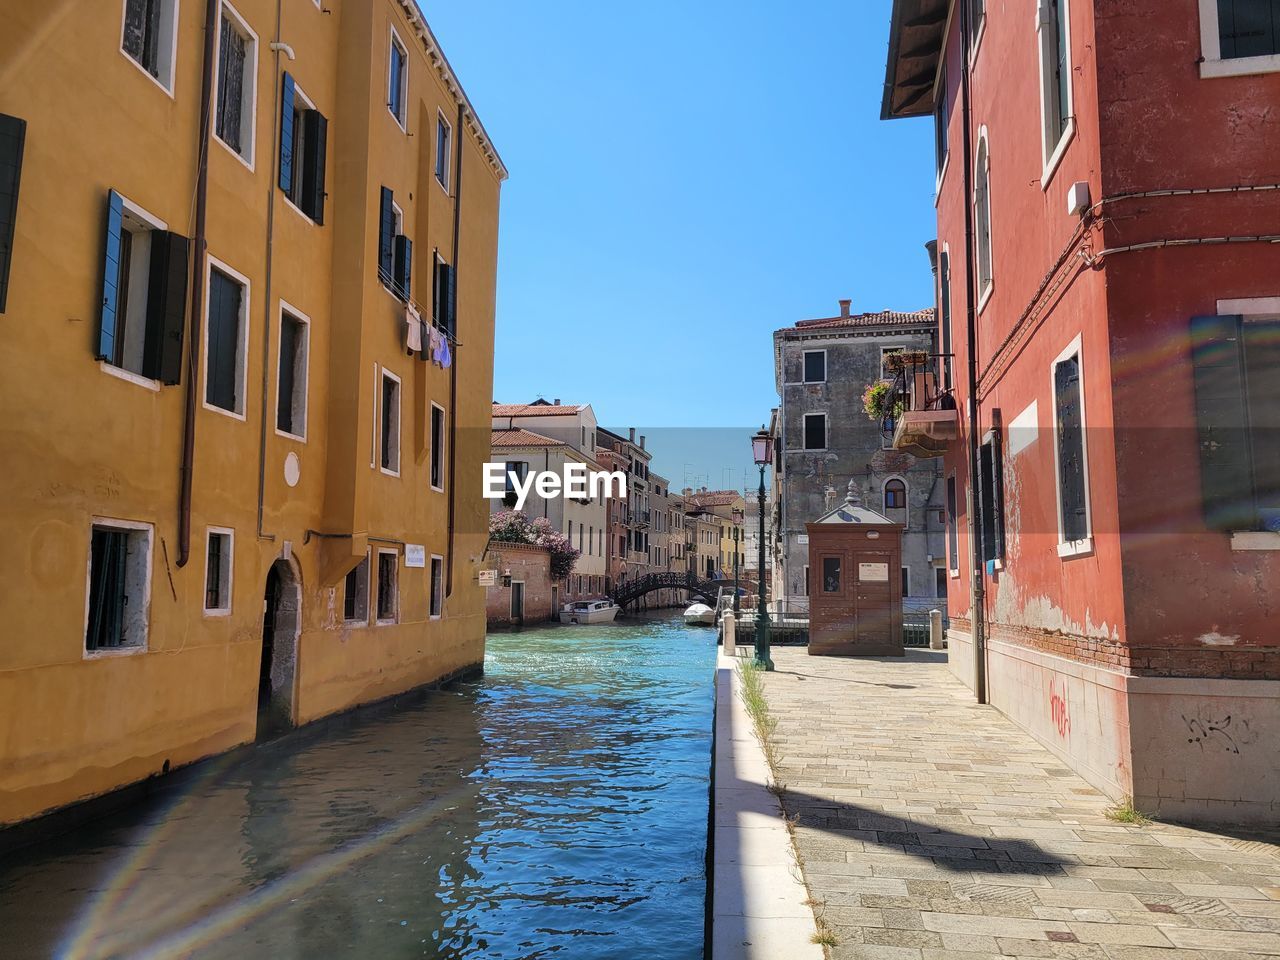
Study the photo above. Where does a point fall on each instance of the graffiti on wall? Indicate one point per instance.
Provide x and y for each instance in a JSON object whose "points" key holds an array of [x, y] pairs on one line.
{"points": [[1217, 729], [1058, 708]]}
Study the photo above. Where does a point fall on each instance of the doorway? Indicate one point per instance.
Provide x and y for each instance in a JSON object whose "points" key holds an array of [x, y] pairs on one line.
{"points": [[281, 619], [517, 602]]}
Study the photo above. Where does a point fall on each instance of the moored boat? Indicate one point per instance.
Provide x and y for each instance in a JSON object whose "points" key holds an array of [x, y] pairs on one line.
{"points": [[589, 611], [699, 614]]}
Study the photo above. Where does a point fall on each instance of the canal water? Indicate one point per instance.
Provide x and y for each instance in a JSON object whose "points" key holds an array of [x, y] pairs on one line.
{"points": [[555, 808]]}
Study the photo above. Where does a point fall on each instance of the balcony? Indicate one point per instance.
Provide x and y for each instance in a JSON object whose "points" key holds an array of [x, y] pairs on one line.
{"points": [[923, 418]]}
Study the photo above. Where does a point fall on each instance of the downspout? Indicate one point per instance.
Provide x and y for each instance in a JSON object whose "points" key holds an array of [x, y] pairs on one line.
{"points": [[459, 141], [197, 286], [977, 574], [277, 127]]}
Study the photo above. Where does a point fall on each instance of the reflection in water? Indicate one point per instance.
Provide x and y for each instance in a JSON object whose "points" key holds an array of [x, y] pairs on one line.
{"points": [[555, 808]]}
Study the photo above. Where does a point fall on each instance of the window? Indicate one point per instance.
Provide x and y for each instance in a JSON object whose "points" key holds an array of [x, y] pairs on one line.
{"points": [[355, 596], [217, 571], [991, 465], [304, 134], [237, 85], [941, 123], [895, 495], [226, 330], [13, 135], [144, 294], [1053, 32], [437, 587], [388, 599], [149, 31], [940, 583], [398, 80], [1239, 37], [977, 20], [119, 585], [444, 146], [437, 447], [982, 220], [517, 470], [444, 298], [815, 366], [830, 574], [953, 544], [1237, 379], [1071, 454], [806, 579], [944, 313], [906, 582], [291, 380], [815, 431], [390, 433]]}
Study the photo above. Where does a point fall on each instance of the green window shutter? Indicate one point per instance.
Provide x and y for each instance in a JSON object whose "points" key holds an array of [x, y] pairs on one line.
{"points": [[286, 135], [404, 266], [315, 132], [1222, 424], [107, 320], [386, 236], [166, 307], [13, 133], [451, 300]]}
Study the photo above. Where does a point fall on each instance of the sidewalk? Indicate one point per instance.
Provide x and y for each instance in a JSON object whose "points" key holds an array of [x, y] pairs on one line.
{"points": [[932, 827]]}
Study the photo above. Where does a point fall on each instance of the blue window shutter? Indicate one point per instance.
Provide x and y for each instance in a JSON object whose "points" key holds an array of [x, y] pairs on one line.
{"points": [[386, 236], [1222, 423], [110, 279], [13, 133], [404, 266], [286, 135]]}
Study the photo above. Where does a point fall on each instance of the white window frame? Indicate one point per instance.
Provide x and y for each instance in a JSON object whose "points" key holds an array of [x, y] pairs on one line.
{"points": [[242, 353], [981, 154], [249, 106], [1052, 152], [397, 228], [906, 492], [171, 13], [979, 31], [435, 614], [133, 526], [826, 435], [1083, 546], [373, 599], [398, 451], [940, 92], [441, 119], [229, 561], [395, 41], [952, 572], [368, 579], [294, 313], [152, 222], [803, 362], [444, 446], [308, 104], [1212, 64]]}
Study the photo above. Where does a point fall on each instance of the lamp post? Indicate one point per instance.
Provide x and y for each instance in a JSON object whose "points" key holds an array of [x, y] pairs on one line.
{"points": [[737, 515], [762, 453]]}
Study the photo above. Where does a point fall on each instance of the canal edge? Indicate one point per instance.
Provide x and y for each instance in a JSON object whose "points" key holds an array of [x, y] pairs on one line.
{"points": [[758, 905]]}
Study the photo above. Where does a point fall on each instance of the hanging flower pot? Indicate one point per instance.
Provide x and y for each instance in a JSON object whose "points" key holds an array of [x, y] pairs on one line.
{"points": [[876, 401]]}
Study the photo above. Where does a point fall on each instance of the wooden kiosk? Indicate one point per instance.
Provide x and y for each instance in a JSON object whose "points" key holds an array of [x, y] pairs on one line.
{"points": [[855, 582]]}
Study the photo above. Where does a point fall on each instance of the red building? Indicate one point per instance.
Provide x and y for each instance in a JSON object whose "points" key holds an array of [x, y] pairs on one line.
{"points": [[1115, 372]]}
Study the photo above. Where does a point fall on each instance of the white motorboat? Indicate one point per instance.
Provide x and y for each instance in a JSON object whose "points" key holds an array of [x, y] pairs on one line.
{"points": [[589, 611], [699, 614]]}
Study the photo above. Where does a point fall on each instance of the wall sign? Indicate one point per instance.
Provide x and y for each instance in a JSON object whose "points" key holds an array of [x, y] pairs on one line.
{"points": [[873, 572], [415, 555], [488, 578]]}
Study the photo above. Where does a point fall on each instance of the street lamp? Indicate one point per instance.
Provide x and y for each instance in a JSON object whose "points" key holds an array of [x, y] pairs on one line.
{"points": [[737, 515], [762, 453]]}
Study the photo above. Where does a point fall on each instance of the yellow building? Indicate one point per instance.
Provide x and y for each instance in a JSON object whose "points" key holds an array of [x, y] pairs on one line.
{"points": [[210, 410], [723, 506]]}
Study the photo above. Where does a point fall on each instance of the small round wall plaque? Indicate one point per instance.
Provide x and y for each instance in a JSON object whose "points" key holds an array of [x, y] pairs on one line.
{"points": [[873, 534], [292, 470]]}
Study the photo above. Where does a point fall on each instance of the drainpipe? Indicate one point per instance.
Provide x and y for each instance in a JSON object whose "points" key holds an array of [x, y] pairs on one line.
{"points": [[459, 141], [267, 316], [977, 574], [197, 287]]}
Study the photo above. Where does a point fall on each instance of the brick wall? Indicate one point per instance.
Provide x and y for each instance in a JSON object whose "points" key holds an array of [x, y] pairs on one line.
{"points": [[526, 563]]}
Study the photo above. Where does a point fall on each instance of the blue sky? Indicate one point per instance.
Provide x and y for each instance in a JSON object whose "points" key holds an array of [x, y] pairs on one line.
{"points": [[686, 177]]}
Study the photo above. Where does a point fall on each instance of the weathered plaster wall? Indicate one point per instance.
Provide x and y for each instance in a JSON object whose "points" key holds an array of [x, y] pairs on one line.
{"points": [[532, 566]]}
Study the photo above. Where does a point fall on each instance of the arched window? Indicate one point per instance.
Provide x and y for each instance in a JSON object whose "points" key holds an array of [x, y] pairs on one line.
{"points": [[982, 217], [895, 495]]}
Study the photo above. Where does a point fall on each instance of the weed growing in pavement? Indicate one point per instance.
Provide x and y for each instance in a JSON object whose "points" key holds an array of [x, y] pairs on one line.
{"points": [[1126, 812], [825, 936]]}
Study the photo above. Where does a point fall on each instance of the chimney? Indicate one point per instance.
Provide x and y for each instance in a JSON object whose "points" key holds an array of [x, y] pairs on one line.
{"points": [[642, 441], [687, 492], [633, 435], [555, 402], [844, 309]]}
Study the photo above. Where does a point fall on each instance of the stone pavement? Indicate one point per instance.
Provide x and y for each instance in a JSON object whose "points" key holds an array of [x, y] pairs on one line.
{"points": [[932, 827]]}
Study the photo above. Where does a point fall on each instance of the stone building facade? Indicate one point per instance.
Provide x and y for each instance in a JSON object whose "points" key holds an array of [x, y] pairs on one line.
{"points": [[525, 592], [823, 439]]}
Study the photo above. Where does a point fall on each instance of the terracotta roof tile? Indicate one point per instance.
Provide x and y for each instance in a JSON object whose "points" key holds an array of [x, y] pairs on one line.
{"points": [[522, 438], [535, 409], [881, 318], [713, 498]]}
